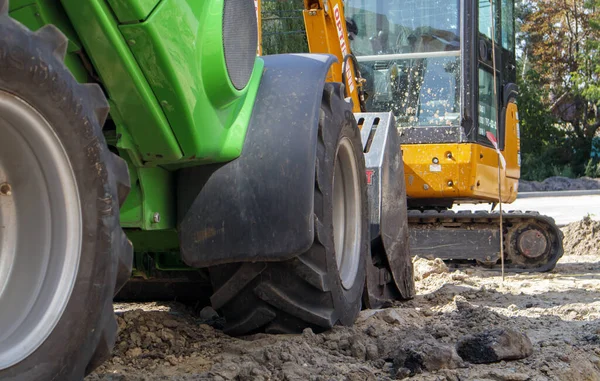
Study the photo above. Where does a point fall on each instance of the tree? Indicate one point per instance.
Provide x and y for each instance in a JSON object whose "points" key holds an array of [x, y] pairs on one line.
{"points": [[283, 27], [561, 55]]}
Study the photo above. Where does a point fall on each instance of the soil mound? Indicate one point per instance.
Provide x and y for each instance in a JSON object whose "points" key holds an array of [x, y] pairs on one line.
{"points": [[582, 237]]}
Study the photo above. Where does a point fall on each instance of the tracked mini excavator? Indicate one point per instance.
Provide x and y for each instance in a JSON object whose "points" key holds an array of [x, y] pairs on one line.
{"points": [[445, 70]]}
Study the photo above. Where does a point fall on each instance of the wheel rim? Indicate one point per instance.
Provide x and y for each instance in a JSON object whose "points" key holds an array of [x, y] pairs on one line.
{"points": [[40, 230], [347, 213]]}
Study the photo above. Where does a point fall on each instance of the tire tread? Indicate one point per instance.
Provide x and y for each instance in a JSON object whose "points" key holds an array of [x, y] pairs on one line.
{"points": [[286, 297], [81, 102]]}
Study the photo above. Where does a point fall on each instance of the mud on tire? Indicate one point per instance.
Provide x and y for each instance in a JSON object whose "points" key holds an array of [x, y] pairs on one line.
{"points": [[32, 71], [306, 291]]}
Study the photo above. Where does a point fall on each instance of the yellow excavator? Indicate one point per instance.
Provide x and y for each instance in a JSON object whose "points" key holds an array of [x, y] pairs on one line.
{"points": [[445, 72]]}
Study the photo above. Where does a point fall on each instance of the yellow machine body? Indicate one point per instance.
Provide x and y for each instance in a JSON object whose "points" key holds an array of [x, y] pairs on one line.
{"points": [[465, 171]]}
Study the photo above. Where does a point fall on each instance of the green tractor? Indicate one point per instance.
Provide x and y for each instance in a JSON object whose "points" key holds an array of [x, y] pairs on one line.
{"points": [[143, 143]]}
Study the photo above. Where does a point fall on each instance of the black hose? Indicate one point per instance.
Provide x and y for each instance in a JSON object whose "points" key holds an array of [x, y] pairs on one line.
{"points": [[358, 76]]}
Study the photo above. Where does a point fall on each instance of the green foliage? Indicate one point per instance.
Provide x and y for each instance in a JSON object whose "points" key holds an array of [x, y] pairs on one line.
{"points": [[539, 128], [590, 87], [283, 27], [559, 90], [592, 169]]}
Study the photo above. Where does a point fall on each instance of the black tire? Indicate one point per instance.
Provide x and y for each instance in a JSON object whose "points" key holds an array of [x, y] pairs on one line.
{"points": [[306, 291], [32, 69]]}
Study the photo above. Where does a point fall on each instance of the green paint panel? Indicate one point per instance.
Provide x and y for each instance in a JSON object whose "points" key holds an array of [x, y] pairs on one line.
{"points": [[180, 50], [123, 80], [158, 190], [151, 203], [152, 195], [128, 11]]}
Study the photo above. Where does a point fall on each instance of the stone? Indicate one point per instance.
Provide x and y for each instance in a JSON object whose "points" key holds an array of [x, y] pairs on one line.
{"points": [[361, 374], [359, 351], [208, 313], [134, 352], [308, 333], [170, 323], [428, 355], [372, 352], [494, 346], [392, 317], [508, 375]]}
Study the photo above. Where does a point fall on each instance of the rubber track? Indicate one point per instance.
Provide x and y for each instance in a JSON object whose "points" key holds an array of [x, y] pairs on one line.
{"points": [[422, 219]]}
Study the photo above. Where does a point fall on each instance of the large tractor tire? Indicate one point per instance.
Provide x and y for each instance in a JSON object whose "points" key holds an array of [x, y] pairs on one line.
{"points": [[63, 254], [323, 286]]}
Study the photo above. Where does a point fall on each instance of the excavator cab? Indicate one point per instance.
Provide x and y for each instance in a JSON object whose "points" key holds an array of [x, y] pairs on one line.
{"points": [[430, 62]]}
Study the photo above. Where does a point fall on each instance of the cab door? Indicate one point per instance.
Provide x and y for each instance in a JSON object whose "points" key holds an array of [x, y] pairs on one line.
{"points": [[496, 110], [488, 100]]}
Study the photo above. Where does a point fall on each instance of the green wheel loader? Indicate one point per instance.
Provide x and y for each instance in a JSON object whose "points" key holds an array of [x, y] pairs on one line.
{"points": [[146, 152]]}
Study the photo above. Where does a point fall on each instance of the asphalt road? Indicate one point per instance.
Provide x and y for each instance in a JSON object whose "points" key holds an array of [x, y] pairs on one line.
{"points": [[565, 207]]}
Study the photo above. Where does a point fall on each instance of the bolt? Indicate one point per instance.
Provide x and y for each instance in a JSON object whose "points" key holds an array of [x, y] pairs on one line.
{"points": [[156, 218], [488, 258], [5, 189], [425, 186], [449, 155], [435, 160], [450, 183]]}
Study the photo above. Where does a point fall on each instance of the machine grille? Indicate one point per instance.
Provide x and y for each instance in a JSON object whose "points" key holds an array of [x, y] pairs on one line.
{"points": [[240, 40]]}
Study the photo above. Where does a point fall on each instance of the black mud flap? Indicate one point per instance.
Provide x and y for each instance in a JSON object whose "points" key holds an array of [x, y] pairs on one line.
{"points": [[390, 275], [259, 207]]}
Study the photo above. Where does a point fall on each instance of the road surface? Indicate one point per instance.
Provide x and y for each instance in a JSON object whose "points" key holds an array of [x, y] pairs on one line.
{"points": [[564, 206]]}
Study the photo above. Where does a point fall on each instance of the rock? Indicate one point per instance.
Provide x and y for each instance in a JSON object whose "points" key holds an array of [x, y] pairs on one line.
{"points": [[170, 323], [592, 338], [424, 268], [358, 351], [208, 313], [462, 304], [494, 346], [391, 317], [428, 355], [361, 374], [308, 333], [372, 352], [134, 352], [403, 373], [135, 338], [171, 359], [372, 331], [508, 375]]}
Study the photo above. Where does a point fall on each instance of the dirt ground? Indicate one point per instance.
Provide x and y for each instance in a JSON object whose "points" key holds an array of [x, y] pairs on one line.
{"points": [[559, 312]]}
